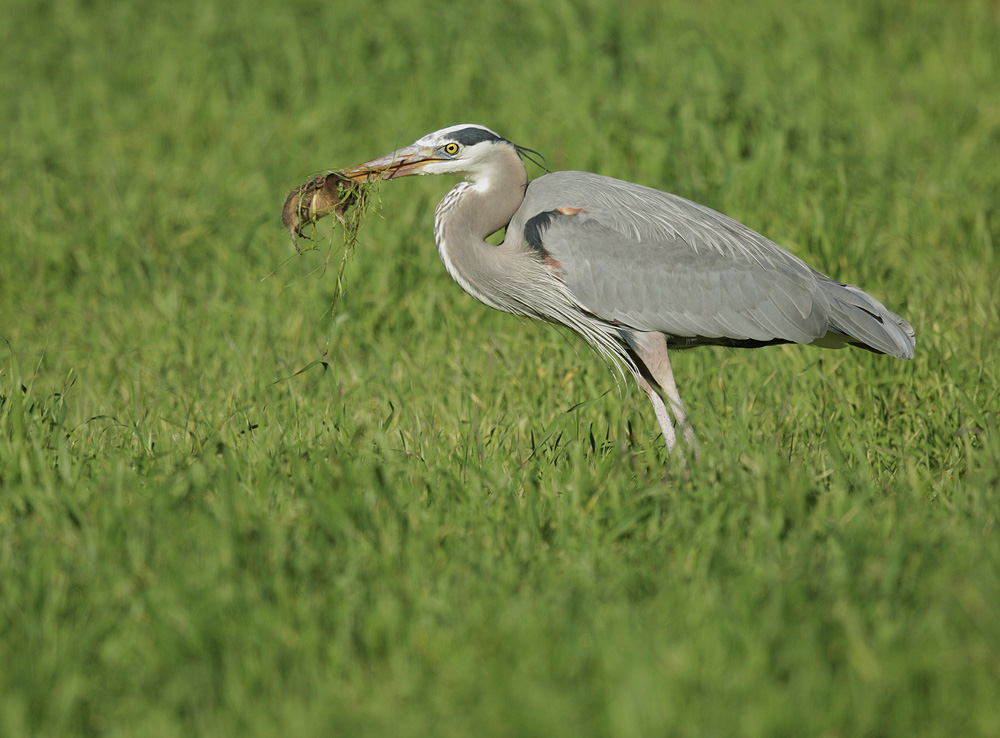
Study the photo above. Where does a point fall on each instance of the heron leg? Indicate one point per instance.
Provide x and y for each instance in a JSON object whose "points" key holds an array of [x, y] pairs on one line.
{"points": [[664, 377], [662, 414], [651, 349]]}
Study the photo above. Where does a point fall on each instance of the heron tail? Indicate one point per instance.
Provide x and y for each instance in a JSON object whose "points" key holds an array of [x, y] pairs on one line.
{"points": [[859, 319]]}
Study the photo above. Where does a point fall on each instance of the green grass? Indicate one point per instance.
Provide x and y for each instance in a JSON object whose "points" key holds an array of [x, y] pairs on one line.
{"points": [[462, 525]]}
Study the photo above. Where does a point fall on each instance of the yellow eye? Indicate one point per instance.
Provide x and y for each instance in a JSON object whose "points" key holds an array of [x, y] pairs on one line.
{"points": [[451, 148]]}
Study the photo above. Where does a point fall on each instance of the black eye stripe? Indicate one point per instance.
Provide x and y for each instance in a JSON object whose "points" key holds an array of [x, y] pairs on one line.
{"points": [[472, 136]]}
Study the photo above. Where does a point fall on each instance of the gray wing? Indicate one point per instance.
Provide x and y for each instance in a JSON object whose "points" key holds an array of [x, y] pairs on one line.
{"points": [[653, 261]]}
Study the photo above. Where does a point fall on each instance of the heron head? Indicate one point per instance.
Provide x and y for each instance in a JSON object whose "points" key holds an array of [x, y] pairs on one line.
{"points": [[466, 149]]}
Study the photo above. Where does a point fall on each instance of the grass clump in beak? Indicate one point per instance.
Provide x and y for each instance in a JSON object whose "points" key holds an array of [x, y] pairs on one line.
{"points": [[320, 196], [327, 194]]}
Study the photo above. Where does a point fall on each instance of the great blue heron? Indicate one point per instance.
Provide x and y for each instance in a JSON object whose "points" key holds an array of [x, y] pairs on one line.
{"points": [[633, 270]]}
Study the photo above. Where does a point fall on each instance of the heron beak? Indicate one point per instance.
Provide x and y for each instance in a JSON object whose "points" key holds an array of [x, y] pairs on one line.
{"points": [[408, 160]]}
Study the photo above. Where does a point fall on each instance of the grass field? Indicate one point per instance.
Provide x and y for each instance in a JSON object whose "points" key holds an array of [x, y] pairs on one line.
{"points": [[462, 525]]}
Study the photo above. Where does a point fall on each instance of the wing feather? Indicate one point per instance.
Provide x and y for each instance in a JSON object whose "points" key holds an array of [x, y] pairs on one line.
{"points": [[653, 261]]}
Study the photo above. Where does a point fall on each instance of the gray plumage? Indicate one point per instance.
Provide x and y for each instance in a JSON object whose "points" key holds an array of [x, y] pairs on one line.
{"points": [[632, 269], [657, 262]]}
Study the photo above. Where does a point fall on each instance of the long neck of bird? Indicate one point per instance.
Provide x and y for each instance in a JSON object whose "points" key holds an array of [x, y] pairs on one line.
{"points": [[469, 213]]}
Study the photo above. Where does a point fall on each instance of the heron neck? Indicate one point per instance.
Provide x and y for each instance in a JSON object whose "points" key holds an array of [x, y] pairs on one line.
{"points": [[487, 203], [469, 213]]}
